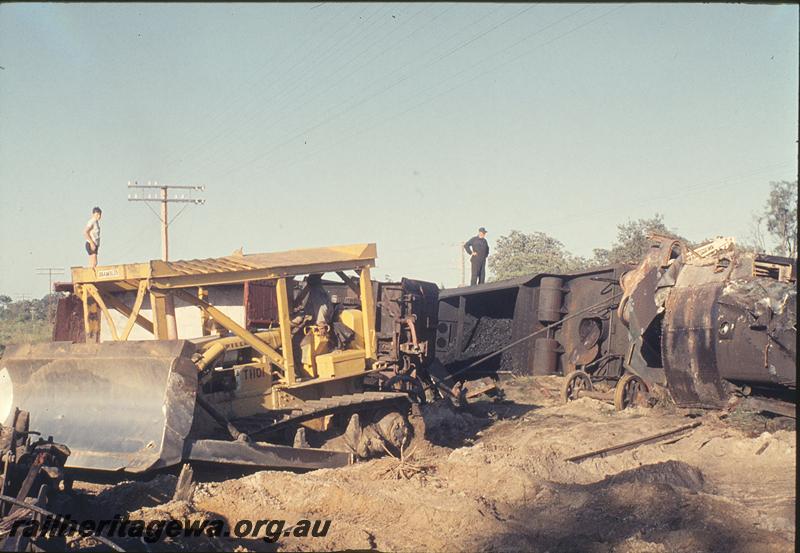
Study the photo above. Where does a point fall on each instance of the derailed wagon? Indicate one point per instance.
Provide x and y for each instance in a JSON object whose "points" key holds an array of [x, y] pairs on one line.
{"points": [[708, 325]]}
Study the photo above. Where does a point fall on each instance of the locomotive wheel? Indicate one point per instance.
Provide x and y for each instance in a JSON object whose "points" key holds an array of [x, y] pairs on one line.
{"points": [[630, 391], [575, 382]]}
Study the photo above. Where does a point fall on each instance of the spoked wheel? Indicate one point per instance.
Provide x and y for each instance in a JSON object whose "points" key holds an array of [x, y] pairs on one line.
{"points": [[631, 391], [575, 382]]}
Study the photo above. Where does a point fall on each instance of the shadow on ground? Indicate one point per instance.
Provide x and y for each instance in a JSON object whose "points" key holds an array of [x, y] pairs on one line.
{"points": [[150, 501], [658, 507], [448, 426]]}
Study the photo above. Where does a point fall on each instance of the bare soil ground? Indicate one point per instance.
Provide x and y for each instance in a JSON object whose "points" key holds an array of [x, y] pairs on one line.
{"points": [[495, 478]]}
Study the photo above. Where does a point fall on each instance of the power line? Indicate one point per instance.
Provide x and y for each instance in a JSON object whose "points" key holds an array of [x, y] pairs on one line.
{"points": [[136, 242], [379, 121], [680, 192], [234, 146], [50, 272], [225, 130], [287, 93], [674, 194], [164, 199], [371, 96], [222, 115]]}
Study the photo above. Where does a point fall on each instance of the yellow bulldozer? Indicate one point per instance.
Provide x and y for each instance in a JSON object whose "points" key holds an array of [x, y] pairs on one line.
{"points": [[324, 374]]}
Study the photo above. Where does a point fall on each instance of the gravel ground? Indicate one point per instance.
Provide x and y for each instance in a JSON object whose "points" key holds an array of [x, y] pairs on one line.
{"points": [[496, 479]]}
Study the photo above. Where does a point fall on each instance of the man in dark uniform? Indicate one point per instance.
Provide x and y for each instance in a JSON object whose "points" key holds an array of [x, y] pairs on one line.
{"points": [[314, 308], [316, 303], [478, 249]]}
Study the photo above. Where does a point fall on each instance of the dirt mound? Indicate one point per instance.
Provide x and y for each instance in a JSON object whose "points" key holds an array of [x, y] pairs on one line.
{"points": [[446, 426], [670, 473], [104, 501], [497, 479]]}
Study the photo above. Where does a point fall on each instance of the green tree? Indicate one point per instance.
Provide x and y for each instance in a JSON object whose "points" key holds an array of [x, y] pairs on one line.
{"points": [[779, 219], [26, 320], [520, 253], [632, 243]]}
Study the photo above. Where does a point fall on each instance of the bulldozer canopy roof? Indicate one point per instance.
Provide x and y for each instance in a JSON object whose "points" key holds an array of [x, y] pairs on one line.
{"points": [[230, 269]]}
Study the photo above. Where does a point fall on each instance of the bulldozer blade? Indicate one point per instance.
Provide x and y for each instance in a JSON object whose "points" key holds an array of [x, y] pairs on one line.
{"points": [[265, 455], [120, 406]]}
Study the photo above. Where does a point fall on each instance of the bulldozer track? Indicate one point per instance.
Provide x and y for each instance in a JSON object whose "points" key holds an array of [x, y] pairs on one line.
{"points": [[312, 409]]}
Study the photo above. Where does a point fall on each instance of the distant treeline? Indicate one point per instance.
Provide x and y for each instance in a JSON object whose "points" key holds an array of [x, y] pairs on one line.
{"points": [[26, 320], [773, 230]]}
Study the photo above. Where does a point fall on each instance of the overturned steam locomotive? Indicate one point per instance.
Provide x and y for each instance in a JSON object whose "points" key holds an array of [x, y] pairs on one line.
{"points": [[709, 325]]}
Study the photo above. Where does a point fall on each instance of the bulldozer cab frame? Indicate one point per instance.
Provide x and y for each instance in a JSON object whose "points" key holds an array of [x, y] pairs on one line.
{"points": [[188, 281]]}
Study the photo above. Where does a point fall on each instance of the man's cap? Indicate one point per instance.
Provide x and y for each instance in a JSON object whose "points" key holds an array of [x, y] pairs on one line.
{"points": [[482, 229]]}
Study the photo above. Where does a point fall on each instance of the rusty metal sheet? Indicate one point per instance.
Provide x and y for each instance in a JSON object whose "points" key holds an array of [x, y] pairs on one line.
{"points": [[118, 405], [260, 303], [688, 346], [756, 332], [68, 326], [642, 306]]}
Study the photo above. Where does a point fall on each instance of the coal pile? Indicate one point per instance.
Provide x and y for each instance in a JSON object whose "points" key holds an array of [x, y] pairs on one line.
{"points": [[489, 335], [482, 336]]}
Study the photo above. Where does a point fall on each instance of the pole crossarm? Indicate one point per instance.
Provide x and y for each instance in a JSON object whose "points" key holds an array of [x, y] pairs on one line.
{"points": [[164, 199], [171, 200], [49, 271], [184, 187]]}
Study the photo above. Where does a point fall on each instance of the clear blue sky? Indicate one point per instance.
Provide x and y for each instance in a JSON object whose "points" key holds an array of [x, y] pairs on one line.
{"points": [[409, 125]]}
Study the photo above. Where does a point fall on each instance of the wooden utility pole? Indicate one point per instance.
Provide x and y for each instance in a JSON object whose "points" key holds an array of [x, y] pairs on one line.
{"points": [[165, 200], [463, 264], [164, 225], [50, 271]]}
